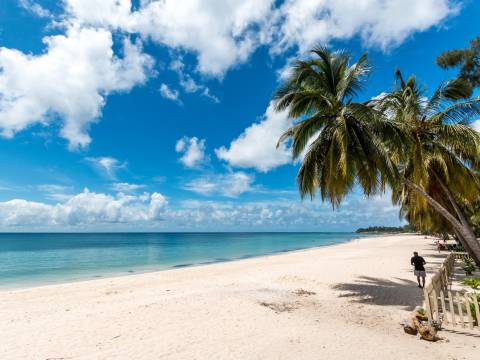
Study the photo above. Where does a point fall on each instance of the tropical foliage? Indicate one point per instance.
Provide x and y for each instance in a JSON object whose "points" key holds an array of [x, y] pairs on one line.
{"points": [[386, 229], [474, 283], [420, 147], [443, 156], [466, 60], [341, 135], [468, 265]]}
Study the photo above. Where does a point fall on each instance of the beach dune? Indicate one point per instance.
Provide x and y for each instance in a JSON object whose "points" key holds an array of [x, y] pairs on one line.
{"points": [[338, 302]]}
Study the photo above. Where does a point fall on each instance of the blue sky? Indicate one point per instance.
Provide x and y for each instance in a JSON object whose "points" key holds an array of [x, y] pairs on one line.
{"points": [[155, 116]]}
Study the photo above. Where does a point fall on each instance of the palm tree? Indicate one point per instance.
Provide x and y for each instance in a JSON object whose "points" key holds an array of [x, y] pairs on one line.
{"points": [[467, 61], [340, 136], [375, 144], [440, 168]]}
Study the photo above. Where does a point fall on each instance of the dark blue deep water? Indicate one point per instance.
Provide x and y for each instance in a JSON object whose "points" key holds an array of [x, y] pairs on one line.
{"points": [[40, 259]]}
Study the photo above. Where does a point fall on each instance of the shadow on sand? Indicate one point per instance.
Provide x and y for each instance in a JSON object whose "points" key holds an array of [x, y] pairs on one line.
{"points": [[376, 291], [465, 333]]}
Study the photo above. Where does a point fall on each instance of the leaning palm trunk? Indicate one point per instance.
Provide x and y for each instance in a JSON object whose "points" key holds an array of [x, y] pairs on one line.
{"points": [[453, 202], [462, 242], [463, 229], [461, 217]]}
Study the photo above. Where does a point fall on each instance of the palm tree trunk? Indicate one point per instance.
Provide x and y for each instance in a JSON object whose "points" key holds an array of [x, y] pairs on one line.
{"points": [[463, 242], [461, 217], [453, 202], [464, 230]]}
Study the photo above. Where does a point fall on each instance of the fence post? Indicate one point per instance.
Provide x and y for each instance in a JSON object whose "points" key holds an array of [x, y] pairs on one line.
{"points": [[444, 308], [452, 307], [447, 278], [460, 310], [469, 312], [427, 304], [477, 310], [435, 305]]}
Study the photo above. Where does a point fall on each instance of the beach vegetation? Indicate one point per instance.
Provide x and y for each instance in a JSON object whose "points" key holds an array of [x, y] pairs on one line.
{"points": [[386, 229], [468, 265], [419, 146], [474, 283], [335, 138], [466, 61], [440, 167]]}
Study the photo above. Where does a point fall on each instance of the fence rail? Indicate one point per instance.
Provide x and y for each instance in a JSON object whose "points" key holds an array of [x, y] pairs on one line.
{"points": [[447, 307]]}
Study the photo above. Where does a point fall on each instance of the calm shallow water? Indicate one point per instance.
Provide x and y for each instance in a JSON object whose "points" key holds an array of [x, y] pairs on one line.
{"points": [[40, 259]]}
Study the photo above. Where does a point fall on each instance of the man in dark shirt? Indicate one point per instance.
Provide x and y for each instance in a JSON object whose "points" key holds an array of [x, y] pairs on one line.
{"points": [[419, 269]]}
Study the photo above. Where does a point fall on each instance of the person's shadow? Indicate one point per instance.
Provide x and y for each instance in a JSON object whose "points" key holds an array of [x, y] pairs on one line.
{"points": [[376, 291]]}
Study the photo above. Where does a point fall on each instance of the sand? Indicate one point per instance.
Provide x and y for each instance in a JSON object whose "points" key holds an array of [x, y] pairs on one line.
{"points": [[338, 302]]}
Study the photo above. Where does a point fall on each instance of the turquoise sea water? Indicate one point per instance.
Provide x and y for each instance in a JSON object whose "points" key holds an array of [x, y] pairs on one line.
{"points": [[40, 259]]}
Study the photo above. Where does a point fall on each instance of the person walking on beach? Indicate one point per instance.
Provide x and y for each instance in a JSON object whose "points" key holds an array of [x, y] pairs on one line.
{"points": [[419, 270]]}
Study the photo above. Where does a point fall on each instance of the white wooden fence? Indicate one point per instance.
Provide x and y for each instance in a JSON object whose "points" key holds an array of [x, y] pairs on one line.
{"points": [[447, 307]]}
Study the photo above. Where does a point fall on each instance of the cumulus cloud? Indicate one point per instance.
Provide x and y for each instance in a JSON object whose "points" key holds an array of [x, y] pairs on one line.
{"points": [[170, 94], [224, 33], [106, 165], [192, 150], [99, 210], [285, 214], [69, 81], [256, 147], [85, 208], [303, 23], [229, 185], [220, 32]]}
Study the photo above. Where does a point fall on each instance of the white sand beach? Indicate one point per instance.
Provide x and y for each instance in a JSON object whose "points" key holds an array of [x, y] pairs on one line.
{"points": [[339, 302]]}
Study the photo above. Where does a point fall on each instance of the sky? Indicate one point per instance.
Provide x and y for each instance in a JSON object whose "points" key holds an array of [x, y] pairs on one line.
{"points": [[120, 115]]}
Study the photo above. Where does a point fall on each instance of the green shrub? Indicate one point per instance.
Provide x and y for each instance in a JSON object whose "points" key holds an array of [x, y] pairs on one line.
{"points": [[472, 309], [468, 265], [474, 283], [459, 248]]}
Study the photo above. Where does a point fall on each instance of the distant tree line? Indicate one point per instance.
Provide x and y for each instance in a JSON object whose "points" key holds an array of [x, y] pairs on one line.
{"points": [[386, 229]]}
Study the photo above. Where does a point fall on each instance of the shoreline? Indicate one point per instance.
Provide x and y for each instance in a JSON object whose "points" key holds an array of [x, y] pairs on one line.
{"points": [[311, 303], [113, 275]]}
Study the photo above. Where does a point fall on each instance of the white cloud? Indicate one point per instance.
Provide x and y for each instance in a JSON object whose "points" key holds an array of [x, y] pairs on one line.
{"points": [[193, 151], [34, 8], [170, 94], [188, 84], [382, 23], [206, 92], [256, 146], [52, 188], [229, 185], [69, 80], [476, 125], [106, 165], [85, 208], [55, 191], [220, 32], [126, 187], [224, 33], [286, 214], [90, 210]]}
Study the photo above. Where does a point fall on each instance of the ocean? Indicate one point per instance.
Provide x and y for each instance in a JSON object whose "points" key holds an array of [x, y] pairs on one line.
{"points": [[28, 259]]}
